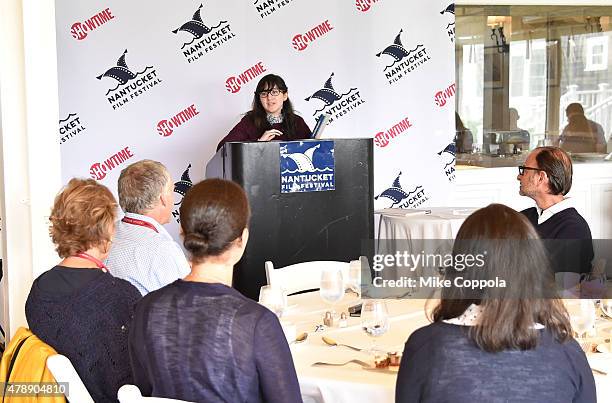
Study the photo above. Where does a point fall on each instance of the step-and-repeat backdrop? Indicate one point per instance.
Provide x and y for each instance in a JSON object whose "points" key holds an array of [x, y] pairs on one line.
{"points": [[167, 80]]}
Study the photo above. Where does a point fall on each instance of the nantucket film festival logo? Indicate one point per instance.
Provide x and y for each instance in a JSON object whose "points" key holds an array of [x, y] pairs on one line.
{"points": [[204, 39], [130, 85], [180, 190], [307, 166], [448, 156], [382, 139], [166, 127], [266, 8], [364, 5], [79, 30], [233, 84], [99, 170], [301, 41], [70, 127], [336, 105], [402, 199], [404, 61], [450, 27]]}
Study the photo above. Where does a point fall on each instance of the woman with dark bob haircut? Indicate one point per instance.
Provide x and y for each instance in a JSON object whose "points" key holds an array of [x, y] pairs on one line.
{"points": [[271, 116], [78, 307], [200, 340], [502, 343]]}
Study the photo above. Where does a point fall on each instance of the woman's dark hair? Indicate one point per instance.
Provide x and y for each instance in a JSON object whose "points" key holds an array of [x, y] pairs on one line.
{"points": [[515, 254], [258, 114], [213, 215]]}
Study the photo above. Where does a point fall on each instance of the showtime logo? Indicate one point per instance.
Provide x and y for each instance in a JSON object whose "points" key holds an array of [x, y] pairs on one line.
{"points": [[233, 84], [99, 170], [301, 42], [381, 139], [364, 5], [442, 96], [166, 127], [79, 30]]}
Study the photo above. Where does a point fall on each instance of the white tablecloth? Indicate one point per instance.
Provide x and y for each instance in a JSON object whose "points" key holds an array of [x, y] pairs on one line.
{"points": [[351, 383]]}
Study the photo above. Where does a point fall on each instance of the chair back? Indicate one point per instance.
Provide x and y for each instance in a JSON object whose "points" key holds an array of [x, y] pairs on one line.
{"points": [[63, 371], [131, 394], [302, 276]]}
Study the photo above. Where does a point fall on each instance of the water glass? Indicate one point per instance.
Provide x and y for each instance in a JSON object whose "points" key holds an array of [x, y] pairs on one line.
{"points": [[273, 298], [606, 307], [332, 285], [374, 320], [354, 277], [582, 315]]}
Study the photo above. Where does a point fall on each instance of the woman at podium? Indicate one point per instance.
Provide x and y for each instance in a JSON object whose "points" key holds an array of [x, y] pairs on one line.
{"points": [[272, 116]]}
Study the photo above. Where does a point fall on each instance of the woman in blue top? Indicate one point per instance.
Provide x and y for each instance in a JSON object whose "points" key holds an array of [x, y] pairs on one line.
{"points": [[509, 343], [198, 339]]}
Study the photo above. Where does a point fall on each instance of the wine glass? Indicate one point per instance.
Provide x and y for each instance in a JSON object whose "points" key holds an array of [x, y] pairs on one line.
{"points": [[374, 320], [332, 286], [273, 298], [582, 316]]}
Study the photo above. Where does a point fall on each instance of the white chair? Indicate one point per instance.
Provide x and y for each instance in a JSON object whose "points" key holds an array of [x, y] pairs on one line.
{"points": [[63, 372], [303, 276], [131, 394]]}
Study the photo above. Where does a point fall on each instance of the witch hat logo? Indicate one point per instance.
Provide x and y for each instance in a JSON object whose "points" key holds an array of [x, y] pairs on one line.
{"points": [[326, 94], [181, 187], [121, 72]]}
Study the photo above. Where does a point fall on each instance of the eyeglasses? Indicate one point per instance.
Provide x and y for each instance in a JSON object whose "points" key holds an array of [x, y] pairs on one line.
{"points": [[522, 169], [274, 92]]}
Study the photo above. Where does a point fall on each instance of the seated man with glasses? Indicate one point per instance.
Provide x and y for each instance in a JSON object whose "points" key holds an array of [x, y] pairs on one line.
{"points": [[546, 178], [272, 116]]}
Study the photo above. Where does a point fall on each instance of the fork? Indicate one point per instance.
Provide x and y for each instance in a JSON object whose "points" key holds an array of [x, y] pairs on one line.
{"points": [[340, 364]]}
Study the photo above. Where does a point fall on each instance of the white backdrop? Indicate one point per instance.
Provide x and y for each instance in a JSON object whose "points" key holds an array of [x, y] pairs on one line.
{"points": [[174, 104]]}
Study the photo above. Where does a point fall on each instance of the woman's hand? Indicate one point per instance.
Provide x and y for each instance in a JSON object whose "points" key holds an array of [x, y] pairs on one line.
{"points": [[270, 134]]}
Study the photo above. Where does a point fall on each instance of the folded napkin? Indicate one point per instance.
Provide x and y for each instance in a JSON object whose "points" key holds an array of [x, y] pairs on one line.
{"points": [[601, 362]]}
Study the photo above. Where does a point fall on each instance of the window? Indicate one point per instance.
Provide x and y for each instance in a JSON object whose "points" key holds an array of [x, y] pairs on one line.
{"points": [[518, 69], [596, 53]]}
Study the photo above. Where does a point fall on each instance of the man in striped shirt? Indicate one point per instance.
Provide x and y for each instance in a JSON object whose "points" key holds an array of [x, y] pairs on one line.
{"points": [[142, 251]]}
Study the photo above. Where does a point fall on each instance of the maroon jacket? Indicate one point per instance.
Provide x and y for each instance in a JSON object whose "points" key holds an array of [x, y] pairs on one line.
{"points": [[245, 130]]}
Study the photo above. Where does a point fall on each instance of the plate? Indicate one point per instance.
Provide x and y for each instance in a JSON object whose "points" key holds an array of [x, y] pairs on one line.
{"points": [[604, 348]]}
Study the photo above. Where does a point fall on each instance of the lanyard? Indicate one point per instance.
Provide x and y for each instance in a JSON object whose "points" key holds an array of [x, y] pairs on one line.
{"points": [[97, 262], [134, 221]]}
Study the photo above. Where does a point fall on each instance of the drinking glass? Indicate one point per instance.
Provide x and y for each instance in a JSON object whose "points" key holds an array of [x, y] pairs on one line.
{"points": [[606, 307], [582, 315], [374, 320], [273, 298], [332, 286], [354, 277], [593, 285]]}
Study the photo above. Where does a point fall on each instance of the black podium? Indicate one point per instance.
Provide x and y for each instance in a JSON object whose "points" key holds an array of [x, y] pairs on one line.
{"points": [[289, 228]]}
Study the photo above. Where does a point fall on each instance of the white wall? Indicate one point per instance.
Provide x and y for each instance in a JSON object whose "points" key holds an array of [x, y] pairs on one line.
{"points": [[30, 153]]}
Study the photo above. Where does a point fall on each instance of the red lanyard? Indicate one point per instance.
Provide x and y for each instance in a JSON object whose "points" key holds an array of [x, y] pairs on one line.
{"points": [[97, 262], [134, 221]]}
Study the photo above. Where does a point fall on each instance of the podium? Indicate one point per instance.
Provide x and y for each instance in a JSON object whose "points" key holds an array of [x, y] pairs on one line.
{"points": [[288, 228]]}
